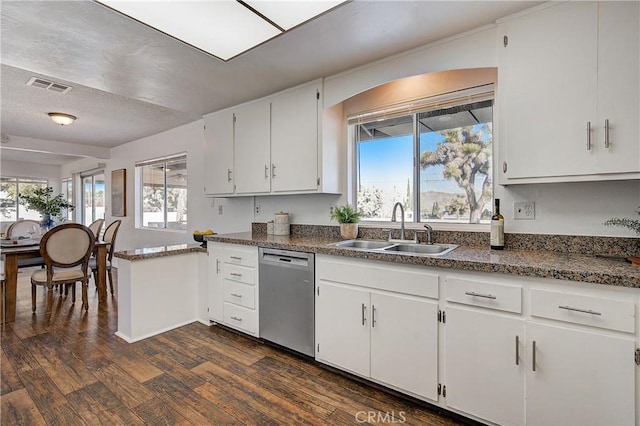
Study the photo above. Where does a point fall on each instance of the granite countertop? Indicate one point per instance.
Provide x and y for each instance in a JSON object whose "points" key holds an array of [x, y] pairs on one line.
{"points": [[542, 264], [153, 252]]}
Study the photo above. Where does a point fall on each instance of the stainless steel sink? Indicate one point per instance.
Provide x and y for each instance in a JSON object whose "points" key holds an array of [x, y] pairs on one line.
{"points": [[396, 248], [363, 244], [430, 249]]}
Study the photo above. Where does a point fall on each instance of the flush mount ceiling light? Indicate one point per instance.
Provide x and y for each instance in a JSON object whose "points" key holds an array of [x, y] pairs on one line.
{"points": [[222, 28], [61, 118]]}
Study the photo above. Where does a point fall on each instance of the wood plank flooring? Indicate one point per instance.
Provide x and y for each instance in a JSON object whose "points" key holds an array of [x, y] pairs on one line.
{"points": [[69, 368]]}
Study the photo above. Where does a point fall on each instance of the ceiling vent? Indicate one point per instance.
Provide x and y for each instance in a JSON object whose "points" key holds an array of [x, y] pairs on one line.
{"points": [[46, 84]]}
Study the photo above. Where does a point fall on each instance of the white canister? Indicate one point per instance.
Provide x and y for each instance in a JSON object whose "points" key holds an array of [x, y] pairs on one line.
{"points": [[270, 227], [281, 224]]}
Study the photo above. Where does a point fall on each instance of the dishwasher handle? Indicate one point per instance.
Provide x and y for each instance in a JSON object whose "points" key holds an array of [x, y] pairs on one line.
{"points": [[286, 259]]}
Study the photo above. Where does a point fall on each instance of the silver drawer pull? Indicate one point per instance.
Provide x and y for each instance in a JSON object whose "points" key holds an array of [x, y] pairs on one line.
{"points": [[517, 350], [606, 133], [586, 311], [233, 274], [236, 319], [474, 294], [235, 257], [363, 313], [236, 295]]}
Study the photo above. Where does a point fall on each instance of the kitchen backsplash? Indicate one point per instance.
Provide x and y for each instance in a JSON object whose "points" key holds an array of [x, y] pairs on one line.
{"points": [[580, 244]]}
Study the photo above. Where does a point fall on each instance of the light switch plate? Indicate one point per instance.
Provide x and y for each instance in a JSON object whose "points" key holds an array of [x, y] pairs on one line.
{"points": [[524, 210]]}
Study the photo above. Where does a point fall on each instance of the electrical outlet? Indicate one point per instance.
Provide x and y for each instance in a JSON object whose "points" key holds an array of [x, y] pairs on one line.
{"points": [[220, 209], [524, 210], [257, 208], [331, 209]]}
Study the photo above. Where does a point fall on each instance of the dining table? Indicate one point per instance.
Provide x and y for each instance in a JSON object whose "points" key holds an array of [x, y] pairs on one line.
{"points": [[11, 255]]}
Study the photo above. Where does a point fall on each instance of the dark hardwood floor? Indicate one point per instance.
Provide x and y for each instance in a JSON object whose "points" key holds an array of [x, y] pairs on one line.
{"points": [[70, 368]]}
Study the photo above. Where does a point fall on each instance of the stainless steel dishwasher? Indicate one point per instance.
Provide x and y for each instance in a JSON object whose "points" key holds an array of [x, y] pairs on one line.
{"points": [[287, 299]]}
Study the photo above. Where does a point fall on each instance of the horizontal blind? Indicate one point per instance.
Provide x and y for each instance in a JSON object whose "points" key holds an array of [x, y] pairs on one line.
{"points": [[176, 158], [448, 100]]}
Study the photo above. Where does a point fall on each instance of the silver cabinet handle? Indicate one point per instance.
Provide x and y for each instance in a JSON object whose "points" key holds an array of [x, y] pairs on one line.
{"points": [[585, 311], [533, 356], [235, 274], [273, 170], [363, 313], [517, 350], [266, 171], [236, 319], [217, 266], [373, 315], [474, 294], [236, 295], [606, 133], [228, 175], [588, 135], [235, 257]]}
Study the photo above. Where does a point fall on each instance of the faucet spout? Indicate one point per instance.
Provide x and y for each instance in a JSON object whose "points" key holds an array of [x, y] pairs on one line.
{"points": [[429, 234], [393, 218]]}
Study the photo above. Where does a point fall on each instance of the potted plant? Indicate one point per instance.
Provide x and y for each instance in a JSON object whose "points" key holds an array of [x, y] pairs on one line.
{"points": [[42, 200], [348, 218]]}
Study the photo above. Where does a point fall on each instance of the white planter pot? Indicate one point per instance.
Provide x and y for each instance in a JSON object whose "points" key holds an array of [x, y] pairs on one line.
{"points": [[349, 231]]}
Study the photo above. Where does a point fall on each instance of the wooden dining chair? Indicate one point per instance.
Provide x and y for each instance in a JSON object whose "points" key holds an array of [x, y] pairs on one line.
{"points": [[96, 227], [110, 234], [66, 250]]}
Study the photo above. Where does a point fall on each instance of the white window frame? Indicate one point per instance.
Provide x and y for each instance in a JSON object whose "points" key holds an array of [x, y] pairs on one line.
{"points": [[23, 179], [139, 220], [457, 97]]}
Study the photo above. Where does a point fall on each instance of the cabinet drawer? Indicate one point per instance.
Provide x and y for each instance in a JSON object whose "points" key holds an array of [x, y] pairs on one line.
{"points": [[487, 295], [240, 294], [242, 274], [245, 256], [241, 318], [595, 311]]}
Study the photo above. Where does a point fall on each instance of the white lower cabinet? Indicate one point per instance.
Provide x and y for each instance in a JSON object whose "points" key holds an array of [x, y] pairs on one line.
{"points": [[484, 364], [233, 286], [391, 338], [569, 361], [580, 378]]}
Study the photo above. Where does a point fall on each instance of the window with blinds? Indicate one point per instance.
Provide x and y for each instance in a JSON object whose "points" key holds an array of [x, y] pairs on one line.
{"points": [[162, 187], [433, 155]]}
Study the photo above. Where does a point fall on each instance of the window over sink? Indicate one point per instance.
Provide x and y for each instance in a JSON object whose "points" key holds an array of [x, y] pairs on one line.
{"points": [[433, 155]]}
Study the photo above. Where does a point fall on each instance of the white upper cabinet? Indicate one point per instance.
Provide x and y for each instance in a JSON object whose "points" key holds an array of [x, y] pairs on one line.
{"points": [[294, 139], [565, 71], [218, 153], [251, 150], [282, 144]]}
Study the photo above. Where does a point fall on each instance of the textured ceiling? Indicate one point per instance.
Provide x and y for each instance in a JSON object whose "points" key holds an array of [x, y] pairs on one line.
{"points": [[130, 81]]}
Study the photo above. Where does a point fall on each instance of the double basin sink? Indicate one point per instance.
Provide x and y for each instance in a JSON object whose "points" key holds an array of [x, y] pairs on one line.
{"points": [[397, 248]]}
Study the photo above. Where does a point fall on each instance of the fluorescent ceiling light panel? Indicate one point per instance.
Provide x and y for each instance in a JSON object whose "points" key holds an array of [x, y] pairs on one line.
{"points": [[290, 13], [223, 28]]}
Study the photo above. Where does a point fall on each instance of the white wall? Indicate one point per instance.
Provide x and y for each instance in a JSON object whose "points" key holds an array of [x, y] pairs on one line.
{"points": [[572, 208], [32, 170]]}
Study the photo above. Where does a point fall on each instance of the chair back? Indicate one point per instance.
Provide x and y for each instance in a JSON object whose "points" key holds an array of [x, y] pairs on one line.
{"points": [[96, 226], [110, 237], [66, 246], [24, 228]]}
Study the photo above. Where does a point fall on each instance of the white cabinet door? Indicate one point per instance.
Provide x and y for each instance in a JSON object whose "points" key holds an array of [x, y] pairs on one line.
{"points": [[483, 377], [618, 87], [252, 158], [404, 343], [218, 153], [294, 139], [216, 290], [342, 327], [580, 378], [547, 91]]}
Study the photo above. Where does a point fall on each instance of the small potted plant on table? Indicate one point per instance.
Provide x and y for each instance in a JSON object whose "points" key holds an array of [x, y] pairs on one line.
{"points": [[348, 218], [43, 201]]}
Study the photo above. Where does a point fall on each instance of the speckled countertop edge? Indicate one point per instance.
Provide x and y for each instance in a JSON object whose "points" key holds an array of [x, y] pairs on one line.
{"points": [[161, 251], [540, 264]]}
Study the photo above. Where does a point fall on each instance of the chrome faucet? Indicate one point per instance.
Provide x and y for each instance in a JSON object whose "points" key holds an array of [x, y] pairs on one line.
{"points": [[393, 218], [429, 234]]}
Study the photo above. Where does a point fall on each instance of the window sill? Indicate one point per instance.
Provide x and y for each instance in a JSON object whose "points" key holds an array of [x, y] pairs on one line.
{"points": [[175, 231], [437, 226]]}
